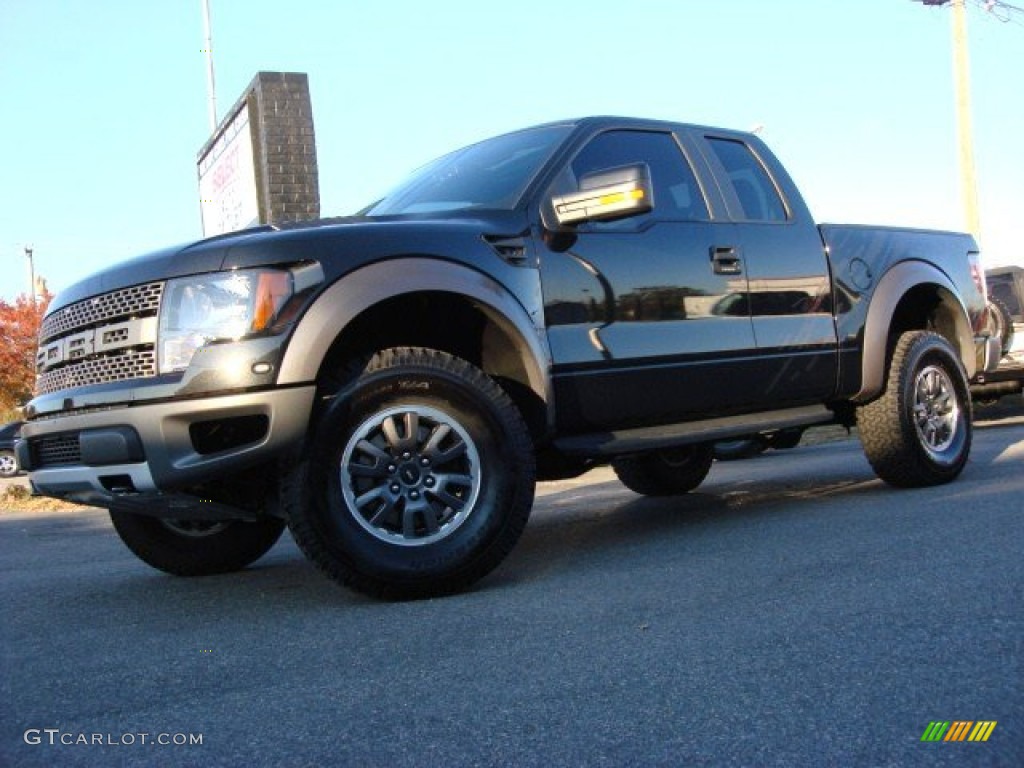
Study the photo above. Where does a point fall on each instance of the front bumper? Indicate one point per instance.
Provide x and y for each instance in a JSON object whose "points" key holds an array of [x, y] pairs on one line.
{"points": [[137, 457]]}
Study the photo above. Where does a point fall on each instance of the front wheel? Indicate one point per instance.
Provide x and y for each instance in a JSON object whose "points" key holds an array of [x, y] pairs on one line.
{"points": [[918, 433], [669, 472], [419, 481], [195, 547]]}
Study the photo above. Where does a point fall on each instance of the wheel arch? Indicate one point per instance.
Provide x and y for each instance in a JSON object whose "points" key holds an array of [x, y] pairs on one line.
{"points": [[390, 303], [913, 295]]}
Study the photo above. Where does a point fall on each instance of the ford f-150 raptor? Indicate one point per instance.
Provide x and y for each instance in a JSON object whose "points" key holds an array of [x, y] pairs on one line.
{"points": [[391, 385]]}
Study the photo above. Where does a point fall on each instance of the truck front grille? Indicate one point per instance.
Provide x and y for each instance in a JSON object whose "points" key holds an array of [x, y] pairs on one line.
{"points": [[99, 370], [106, 338], [137, 301]]}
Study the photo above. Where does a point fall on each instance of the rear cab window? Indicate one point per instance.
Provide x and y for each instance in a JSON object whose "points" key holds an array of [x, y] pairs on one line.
{"points": [[751, 193]]}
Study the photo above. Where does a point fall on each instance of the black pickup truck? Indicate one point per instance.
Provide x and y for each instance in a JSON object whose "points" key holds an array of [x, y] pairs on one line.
{"points": [[392, 384]]}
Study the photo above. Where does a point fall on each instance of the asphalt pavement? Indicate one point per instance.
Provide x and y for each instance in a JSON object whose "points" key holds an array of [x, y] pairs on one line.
{"points": [[794, 611]]}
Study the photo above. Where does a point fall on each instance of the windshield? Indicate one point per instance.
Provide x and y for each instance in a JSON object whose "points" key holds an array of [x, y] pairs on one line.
{"points": [[491, 174]]}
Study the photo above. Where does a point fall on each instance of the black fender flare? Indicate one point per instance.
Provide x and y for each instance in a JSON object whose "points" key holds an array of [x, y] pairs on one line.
{"points": [[893, 286], [357, 291]]}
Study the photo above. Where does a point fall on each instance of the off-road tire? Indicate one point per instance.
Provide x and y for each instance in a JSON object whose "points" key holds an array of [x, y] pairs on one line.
{"points": [[918, 433], [419, 480], [669, 472], [196, 548]]}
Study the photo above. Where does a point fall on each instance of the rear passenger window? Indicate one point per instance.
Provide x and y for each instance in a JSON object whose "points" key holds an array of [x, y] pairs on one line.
{"points": [[758, 198]]}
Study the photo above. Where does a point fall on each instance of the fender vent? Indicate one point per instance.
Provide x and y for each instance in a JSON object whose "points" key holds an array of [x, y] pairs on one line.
{"points": [[511, 249]]}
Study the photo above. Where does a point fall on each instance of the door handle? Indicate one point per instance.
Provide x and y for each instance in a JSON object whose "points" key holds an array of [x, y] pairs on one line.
{"points": [[725, 260]]}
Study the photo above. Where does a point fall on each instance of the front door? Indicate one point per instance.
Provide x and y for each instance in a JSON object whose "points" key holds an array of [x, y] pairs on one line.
{"points": [[648, 317]]}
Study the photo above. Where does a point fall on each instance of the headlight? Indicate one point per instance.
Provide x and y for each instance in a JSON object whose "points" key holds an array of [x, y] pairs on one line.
{"points": [[220, 306]]}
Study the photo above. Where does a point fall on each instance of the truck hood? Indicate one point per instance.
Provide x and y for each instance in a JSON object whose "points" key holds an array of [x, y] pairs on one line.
{"points": [[176, 261], [339, 245]]}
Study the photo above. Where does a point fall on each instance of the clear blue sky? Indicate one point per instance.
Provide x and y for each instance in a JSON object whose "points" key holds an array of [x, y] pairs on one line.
{"points": [[104, 102]]}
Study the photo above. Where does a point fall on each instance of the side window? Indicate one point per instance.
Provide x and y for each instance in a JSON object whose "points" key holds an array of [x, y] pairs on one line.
{"points": [[759, 199], [677, 196]]}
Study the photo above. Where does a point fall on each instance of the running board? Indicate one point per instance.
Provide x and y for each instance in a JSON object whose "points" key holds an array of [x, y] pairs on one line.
{"points": [[670, 435]]}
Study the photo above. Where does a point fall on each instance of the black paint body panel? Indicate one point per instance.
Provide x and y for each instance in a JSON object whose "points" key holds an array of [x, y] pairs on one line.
{"points": [[693, 311]]}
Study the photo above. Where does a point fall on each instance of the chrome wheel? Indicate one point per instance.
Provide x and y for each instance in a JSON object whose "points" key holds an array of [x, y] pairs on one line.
{"points": [[936, 410], [410, 475], [8, 465]]}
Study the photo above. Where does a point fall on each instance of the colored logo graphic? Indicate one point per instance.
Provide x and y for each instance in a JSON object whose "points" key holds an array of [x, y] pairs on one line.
{"points": [[959, 730]]}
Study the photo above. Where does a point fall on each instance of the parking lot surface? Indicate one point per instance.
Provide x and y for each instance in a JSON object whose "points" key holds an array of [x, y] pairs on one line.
{"points": [[792, 611]]}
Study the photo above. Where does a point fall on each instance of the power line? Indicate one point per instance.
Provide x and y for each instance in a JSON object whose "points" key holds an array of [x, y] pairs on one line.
{"points": [[1001, 11], [1007, 13]]}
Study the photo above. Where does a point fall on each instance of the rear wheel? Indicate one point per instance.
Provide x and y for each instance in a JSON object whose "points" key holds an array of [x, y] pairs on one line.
{"points": [[669, 472], [918, 433], [196, 547], [420, 478]]}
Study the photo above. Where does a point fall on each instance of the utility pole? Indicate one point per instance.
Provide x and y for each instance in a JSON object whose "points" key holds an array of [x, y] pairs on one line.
{"points": [[965, 134], [211, 89], [964, 131], [31, 275]]}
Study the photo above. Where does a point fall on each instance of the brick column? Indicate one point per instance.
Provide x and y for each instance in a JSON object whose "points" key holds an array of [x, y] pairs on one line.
{"points": [[259, 167], [285, 147]]}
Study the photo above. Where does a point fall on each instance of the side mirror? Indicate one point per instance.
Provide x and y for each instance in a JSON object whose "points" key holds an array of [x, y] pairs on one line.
{"points": [[606, 195]]}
